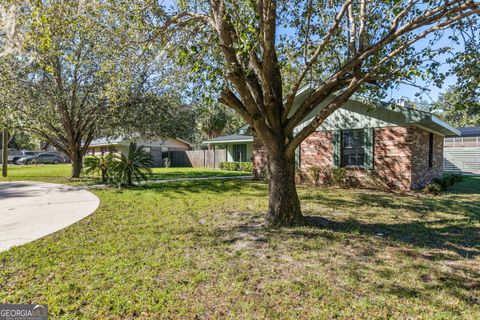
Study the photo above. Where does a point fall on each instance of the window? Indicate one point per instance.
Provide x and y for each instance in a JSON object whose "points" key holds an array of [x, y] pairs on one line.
{"points": [[430, 150], [147, 150], [353, 148], [240, 152]]}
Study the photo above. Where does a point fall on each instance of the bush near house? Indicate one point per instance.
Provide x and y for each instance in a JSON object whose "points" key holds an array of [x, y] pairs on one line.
{"points": [[237, 166], [342, 177], [439, 185]]}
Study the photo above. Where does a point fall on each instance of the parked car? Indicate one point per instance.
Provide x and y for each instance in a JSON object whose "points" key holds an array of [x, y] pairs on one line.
{"points": [[41, 158], [13, 156]]}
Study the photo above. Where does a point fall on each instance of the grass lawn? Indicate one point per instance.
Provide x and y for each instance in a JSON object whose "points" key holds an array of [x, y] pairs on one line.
{"points": [[60, 173], [197, 249]]}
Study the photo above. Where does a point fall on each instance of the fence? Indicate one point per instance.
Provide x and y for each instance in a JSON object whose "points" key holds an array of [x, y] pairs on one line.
{"points": [[198, 158], [462, 160]]}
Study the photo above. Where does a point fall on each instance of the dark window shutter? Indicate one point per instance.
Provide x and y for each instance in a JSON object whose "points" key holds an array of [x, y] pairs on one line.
{"points": [[336, 149], [369, 136]]}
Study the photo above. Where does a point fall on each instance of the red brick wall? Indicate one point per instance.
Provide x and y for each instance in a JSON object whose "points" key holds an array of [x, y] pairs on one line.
{"points": [[400, 155], [422, 174], [259, 157], [392, 154], [317, 150]]}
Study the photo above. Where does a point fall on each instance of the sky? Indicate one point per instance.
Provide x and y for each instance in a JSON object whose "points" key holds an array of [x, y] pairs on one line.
{"points": [[409, 92]]}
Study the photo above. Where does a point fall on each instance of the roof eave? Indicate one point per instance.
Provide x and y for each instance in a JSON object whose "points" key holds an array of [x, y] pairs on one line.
{"points": [[445, 125], [226, 141]]}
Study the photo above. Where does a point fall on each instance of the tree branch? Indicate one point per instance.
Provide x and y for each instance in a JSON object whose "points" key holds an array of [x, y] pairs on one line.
{"points": [[322, 45]]}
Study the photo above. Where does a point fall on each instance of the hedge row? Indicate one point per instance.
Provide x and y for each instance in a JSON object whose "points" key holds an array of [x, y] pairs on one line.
{"points": [[237, 166]]}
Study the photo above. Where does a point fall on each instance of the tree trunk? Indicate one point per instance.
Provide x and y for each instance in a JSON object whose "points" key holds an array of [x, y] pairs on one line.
{"points": [[4, 152], [77, 164], [284, 205]]}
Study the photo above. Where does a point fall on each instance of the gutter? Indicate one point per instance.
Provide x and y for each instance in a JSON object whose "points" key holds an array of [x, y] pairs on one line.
{"points": [[445, 125]]}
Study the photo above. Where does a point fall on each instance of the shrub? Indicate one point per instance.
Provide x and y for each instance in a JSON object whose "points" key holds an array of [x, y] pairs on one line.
{"points": [[98, 165], [326, 176], [246, 166], [439, 185], [134, 166], [329, 177], [338, 176], [237, 166], [230, 166], [315, 173], [351, 181], [167, 162], [433, 188], [451, 179]]}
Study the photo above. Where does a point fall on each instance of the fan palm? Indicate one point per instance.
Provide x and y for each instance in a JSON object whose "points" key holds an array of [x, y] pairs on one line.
{"points": [[95, 164], [135, 166]]}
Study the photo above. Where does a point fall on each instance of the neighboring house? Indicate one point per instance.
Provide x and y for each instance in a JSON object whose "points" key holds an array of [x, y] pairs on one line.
{"points": [[462, 154], [158, 149], [239, 147], [403, 145]]}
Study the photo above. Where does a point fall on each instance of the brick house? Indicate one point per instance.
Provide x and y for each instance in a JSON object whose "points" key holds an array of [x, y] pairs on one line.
{"points": [[402, 145]]}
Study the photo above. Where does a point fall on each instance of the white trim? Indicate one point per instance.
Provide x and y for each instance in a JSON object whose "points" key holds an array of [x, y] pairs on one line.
{"points": [[428, 129], [184, 141], [226, 141], [106, 144], [442, 123]]}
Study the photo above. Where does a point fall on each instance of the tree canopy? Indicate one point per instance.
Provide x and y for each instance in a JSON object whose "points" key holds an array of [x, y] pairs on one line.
{"points": [[458, 109], [460, 104]]}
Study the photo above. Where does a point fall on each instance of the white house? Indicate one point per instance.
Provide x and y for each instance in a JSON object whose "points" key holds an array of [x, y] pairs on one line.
{"points": [[157, 148]]}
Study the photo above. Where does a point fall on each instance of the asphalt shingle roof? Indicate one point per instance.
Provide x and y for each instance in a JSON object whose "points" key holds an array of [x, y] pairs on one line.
{"points": [[469, 131]]}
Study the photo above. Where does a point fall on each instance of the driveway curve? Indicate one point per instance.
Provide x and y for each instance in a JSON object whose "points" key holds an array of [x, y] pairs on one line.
{"points": [[31, 210]]}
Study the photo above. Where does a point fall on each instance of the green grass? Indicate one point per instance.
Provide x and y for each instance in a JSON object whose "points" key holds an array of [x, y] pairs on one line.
{"points": [[197, 249], [175, 173], [60, 174]]}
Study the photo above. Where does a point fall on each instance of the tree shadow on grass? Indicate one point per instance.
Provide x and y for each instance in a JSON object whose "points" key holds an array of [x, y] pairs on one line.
{"points": [[459, 236], [245, 188], [420, 204]]}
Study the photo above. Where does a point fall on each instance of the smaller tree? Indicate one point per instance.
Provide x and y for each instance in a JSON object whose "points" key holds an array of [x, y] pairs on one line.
{"points": [[458, 108], [80, 77], [215, 120], [23, 141]]}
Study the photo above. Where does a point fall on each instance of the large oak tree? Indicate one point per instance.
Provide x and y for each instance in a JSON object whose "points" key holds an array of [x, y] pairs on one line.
{"points": [[261, 52]]}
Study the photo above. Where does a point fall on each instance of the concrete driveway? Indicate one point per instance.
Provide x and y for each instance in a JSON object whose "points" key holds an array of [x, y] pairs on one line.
{"points": [[31, 210]]}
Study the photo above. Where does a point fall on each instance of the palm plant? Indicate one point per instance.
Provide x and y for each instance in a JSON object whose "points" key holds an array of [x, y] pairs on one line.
{"points": [[96, 164], [135, 166]]}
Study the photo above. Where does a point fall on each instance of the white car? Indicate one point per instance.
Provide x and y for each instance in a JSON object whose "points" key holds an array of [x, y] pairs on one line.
{"points": [[14, 156]]}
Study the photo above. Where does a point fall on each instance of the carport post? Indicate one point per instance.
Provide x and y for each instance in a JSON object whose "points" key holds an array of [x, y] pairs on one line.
{"points": [[4, 152]]}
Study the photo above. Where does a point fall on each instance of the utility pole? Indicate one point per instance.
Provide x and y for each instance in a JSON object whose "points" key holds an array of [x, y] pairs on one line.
{"points": [[4, 152]]}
